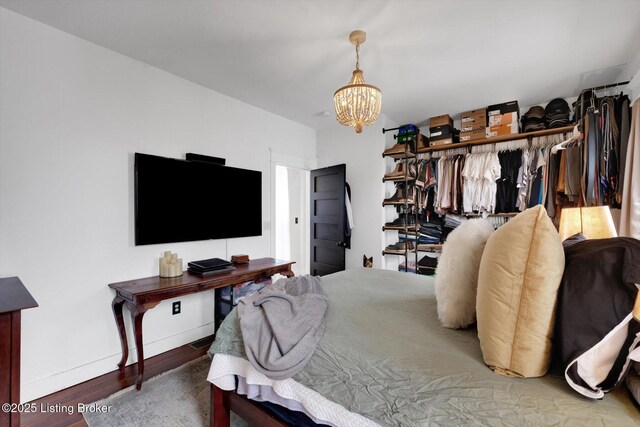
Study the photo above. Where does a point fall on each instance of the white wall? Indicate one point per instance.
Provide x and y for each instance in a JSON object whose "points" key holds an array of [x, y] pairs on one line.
{"points": [[362, 154], [72, 115]]}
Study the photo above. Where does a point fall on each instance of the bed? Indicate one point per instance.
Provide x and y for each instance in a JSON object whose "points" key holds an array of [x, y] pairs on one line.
{"points": [[386, 360]]}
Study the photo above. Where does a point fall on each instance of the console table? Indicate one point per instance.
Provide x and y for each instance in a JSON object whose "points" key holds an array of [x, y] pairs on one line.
{"points": [[14, 298], [143, 294]]}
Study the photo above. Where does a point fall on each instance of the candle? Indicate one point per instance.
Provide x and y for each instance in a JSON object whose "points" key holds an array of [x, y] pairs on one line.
{"points": [[179, 263], [174, 257]]}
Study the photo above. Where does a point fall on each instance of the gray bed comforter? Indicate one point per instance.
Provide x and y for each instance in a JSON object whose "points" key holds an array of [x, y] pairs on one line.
{"points": [[385, 356], [282, 324]]}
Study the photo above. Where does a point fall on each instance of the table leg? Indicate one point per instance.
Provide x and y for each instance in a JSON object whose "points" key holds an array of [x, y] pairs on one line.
{"points": [[137, 312], [116, 305], [288, 273]]}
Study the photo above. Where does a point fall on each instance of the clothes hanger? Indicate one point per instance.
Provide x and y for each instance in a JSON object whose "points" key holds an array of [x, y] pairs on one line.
{"points": [[575, 137]]}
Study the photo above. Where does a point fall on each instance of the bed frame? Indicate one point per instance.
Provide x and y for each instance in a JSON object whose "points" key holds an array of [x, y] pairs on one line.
{"points": [[223, 401]]}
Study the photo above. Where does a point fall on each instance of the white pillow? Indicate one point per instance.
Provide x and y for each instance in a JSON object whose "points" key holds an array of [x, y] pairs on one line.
{"points": [[456, 283]]}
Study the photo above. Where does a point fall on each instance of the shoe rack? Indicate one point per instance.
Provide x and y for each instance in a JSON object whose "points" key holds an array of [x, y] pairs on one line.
{"points": [[403, 200]]}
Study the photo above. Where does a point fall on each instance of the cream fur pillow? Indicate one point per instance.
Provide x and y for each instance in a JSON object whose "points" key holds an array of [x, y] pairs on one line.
{"points": [[456, 280], [520, 273]]}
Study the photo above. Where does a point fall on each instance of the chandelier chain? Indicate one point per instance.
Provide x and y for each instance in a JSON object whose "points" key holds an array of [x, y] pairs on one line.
{"points": [[357, 55]]}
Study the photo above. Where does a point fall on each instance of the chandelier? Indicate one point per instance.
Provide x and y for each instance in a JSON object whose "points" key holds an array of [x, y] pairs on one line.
{"points": [[357, 104]]}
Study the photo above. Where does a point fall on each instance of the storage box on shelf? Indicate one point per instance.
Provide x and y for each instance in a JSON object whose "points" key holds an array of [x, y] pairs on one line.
{"points": [[473, 125], [503, 119], [441, 120], [441, 131]]}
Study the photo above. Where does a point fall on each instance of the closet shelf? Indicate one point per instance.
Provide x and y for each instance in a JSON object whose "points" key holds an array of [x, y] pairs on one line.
{"points": [[399, 228], [397, 252], [399, 178], [400, 156], [420, 248], [496, 139], [507, 214], [398, 203], [430, 248]]}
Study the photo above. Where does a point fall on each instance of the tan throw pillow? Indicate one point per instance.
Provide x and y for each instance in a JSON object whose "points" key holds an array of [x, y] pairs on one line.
{"points": [[520, 271], [456, 280]]}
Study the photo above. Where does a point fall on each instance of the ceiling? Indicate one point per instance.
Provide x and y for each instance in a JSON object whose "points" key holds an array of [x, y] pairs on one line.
{"points": [[428, 57]]}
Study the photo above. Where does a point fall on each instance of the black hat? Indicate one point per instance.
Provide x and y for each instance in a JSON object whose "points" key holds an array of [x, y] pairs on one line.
{"points": [[557, 106]]}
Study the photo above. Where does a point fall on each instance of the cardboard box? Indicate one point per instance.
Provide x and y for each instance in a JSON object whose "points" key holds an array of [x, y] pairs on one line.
{"points": [[474, 116], [509, 129], [444, 119], [503, 119], [472, 127], [443, 131], [505, 107], [473, 136]]}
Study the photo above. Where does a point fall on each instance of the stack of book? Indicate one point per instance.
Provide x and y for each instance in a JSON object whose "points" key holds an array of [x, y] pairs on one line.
{"points": [[210, 266]]}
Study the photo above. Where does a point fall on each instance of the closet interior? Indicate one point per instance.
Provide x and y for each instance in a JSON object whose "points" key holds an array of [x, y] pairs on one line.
{"points": [[559, 161]]}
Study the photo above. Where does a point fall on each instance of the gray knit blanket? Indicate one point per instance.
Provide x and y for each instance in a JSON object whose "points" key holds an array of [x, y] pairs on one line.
{"points": [[282, 324]]}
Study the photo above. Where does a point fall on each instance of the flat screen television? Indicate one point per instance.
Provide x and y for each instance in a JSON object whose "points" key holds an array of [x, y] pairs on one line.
{"points": [[181, 200]]}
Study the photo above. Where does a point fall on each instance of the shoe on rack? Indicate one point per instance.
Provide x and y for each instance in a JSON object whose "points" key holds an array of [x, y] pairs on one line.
{"points": [[411, 195], [398, 172], [400, 221], [396, 149], [398, 196], [410, 220], [401, 246]]}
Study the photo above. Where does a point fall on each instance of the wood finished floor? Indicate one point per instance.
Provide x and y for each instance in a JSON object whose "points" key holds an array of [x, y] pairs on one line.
{"points": [[104, 386]]}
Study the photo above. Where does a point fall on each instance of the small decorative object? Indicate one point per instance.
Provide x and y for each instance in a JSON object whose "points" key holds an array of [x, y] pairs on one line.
{"points": [[357, 104], [240, 259], [367, 262], [170, 265]]}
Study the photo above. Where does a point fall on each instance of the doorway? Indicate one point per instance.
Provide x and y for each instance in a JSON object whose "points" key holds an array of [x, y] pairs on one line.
{"points": [[291, 223]]}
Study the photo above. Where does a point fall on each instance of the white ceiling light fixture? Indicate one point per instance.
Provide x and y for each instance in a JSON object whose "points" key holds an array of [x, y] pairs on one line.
{"points": [[357, 104]]}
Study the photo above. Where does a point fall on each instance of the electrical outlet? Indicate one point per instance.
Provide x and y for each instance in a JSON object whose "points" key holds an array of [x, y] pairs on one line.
{"points": [[176, 307]]}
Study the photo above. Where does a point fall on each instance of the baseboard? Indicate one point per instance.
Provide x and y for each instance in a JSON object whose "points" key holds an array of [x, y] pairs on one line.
{"points": [[61, 380]]}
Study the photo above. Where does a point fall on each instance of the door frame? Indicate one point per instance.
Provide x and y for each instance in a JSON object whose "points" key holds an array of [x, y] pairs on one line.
{"points": [[290, 161]]}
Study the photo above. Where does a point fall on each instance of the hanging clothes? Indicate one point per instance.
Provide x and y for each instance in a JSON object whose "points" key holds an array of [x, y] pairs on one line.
{"points": [[629, 218], [480, 173], [624, 143], [537, 173], [507, 185], [573, 173]]}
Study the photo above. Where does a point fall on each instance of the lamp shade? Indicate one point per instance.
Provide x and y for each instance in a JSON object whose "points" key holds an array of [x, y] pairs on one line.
{"points": [[593, 222]]}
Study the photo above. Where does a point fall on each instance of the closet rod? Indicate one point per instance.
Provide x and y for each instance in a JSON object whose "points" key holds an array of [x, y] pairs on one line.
{"points": [[609, 86]]}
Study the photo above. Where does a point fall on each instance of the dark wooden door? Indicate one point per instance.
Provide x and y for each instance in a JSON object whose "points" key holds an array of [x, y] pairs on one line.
{"points": [[327, 220]]}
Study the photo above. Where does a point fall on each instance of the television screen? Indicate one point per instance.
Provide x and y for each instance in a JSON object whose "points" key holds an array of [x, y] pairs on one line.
{"points": [[181, 200]]}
